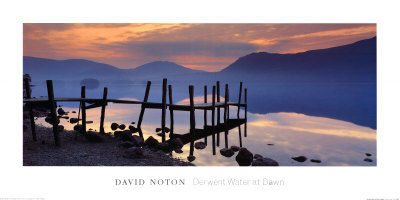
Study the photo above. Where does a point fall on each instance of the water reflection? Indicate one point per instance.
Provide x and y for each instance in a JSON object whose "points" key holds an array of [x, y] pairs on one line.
{"points": [[332, 141]]}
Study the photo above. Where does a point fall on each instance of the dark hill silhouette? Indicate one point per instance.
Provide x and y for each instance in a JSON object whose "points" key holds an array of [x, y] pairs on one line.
{"points": [[352, 62]]}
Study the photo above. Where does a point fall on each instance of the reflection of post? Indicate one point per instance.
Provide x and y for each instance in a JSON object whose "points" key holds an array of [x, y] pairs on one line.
{"points": [[83, 105], [245, 112], [226, 113], [31, 117], [240, 97], [164, 107], [205, 112], [218, 112], [103, 110], [146, 96], [213, 120], [171, 112], [52, 104], [192, 120]]}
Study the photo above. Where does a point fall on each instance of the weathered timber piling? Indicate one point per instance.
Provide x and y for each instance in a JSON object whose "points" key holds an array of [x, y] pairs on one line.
{"points": [[164, 107], [52, 106], [205, 112], [83, 108], [218, 112], [213, 120], [226, 114], [143, 107], [31, 117], [240, 97], [192, 119], [171, 111], [103, 110], [245, 112]]}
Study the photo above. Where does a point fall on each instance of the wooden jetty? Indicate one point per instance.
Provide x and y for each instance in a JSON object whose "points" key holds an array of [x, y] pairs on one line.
{"points": [[208, 130]]}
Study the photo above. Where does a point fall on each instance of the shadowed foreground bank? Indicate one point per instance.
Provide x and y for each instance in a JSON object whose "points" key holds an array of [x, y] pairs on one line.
{"points": [[83, 153]]}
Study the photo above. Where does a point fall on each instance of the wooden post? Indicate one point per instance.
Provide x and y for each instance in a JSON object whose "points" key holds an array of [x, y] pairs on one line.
{"points": [[218, 112], [240, 135], [213, 121], [171, 112], [205, 112], [226, 113], [52, 104], [192, 120], [103, 110], [245, 112], [164, 107], [240, 97], [83, 105], [31, 117], [146, 96]]}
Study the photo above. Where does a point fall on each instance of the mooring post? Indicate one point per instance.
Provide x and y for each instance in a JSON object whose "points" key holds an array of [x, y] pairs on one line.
{"points": [[192, 120], [245, 112], [171, 112], [164, 107], [213, 120], [240, 135], [226, 114], [31, 117], [218, 112], [143, 107], [103, 110], [240, 97], [52, 105], [83, 108], [205, 112]]}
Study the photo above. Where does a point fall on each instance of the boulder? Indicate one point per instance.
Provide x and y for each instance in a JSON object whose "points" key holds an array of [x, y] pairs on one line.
{"points": [[178, 150], [125, 135], [133, 129], [164, 146], [78, 127], [93, 137], [49, 120], [244, 157], [73, 120], [167, 130], [158, 130], [315, 161], [227, 152], [368, 154], [114, 126], [132, 122], [122, 126], [200, 145], [60, 111], [133, 152], [300, 158], [258, 156], [235, 148], [137, 140], [151, 142], [368, 160], [191, 158], [177, 142], [264, 162]]}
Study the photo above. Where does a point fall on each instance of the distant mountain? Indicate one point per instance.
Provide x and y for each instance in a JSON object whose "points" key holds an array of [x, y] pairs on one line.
{"points": [[78, 69], [352, 62]]}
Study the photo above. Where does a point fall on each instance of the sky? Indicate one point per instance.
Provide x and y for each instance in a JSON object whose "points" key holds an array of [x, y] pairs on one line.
{"points": [[208, 47]]}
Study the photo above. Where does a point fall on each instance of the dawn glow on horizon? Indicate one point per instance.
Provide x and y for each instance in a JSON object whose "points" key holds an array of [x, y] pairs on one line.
{"points": [[208, 47]]}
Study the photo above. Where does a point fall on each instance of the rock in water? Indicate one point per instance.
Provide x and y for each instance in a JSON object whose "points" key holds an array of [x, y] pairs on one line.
{"points": [[122, 126], [93, 137], [133, 129], [167, 129], [74, 111], [235, 148], [151, 142], [264, 162], [133, 152], [368, 154], [78, 128], [178, 150], [368, 160], [300, 158], [200, 145], [114, 126], [73, 120], [244, 157], [132, 122], [60, 111], [191, 158], [158, 129], [227, 152], [125, 135], [258, 156], [176, 143], [315, 161]]}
